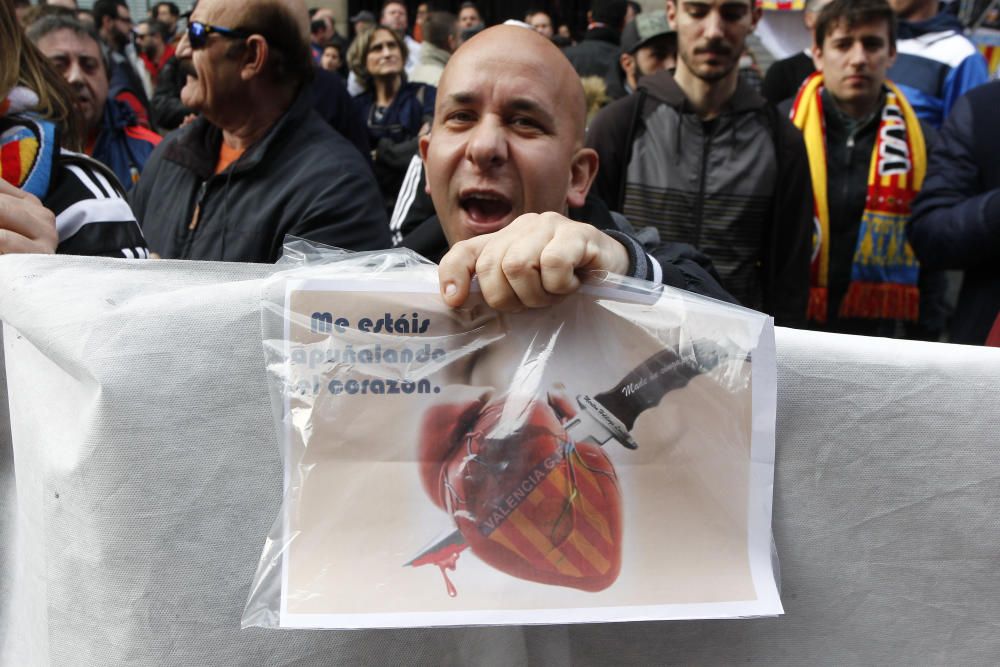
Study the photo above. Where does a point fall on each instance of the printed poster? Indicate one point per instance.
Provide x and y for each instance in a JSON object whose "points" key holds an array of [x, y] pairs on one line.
{"points": [[606, 459]]}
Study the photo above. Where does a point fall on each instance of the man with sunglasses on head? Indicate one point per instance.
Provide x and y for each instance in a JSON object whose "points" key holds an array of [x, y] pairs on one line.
{"points": [[259, 163]]}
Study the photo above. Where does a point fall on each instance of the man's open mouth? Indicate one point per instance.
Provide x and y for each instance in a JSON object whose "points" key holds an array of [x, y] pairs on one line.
{"points": [[485, 207]]}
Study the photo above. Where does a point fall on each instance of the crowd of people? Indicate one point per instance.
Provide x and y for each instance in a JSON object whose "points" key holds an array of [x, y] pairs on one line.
{"points": [[840, 190]]}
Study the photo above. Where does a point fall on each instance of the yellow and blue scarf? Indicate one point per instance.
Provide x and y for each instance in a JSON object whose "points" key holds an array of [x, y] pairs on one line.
{"points": [[884, 272]]}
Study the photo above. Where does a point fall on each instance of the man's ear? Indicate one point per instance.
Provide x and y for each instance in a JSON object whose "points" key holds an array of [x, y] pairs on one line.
{"points": [[422, 145], [582, 172], [254, 57], [755, 14], [626, 61], [672, 14], [817, 57]]}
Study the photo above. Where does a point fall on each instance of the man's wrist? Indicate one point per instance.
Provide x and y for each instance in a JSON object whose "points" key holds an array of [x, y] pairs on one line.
{"points": [[640, 264]]}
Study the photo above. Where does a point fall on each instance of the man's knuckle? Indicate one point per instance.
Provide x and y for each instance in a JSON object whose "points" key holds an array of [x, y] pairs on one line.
{"points": [[501, 301], [554, 257], [516, 265]]}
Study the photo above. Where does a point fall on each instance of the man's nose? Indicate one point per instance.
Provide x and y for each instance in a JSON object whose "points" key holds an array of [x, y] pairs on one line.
{"points": [[488, 143], [74, 73], [857, 56], [713, 26], [183, 49]]}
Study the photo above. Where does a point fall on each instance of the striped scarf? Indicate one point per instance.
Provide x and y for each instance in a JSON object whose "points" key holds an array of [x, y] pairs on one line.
{"points": [[27, 144], [884, 271]]}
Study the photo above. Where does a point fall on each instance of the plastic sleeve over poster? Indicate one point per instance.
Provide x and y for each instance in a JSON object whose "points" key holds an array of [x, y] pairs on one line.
{"points": [[609, 458]]}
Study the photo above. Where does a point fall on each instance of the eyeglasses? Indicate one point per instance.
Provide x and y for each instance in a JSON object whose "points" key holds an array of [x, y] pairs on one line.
{"points": [[198, 33]]}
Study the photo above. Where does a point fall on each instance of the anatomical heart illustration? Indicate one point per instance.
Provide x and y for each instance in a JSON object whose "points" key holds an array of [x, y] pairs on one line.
{"points": [[532, 503], [527, 482], [607, 458]]}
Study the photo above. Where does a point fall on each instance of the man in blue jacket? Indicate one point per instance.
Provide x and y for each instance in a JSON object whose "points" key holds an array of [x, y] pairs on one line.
{"points": [[113, 135], [936, 63], [956, 218]]}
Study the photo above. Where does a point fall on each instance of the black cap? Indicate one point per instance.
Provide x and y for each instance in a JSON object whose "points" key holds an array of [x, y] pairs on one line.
{"points": [[645, 27], [363, 15]]}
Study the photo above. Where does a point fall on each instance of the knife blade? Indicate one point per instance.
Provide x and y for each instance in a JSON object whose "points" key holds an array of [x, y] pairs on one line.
{"points": [[611, 414]]}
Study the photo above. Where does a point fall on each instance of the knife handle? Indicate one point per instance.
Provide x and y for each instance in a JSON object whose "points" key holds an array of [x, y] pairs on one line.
{"points": [[649, 382]]}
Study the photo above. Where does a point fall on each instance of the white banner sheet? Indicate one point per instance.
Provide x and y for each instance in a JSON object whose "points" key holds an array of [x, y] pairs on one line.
{"points": [[143, 471]]}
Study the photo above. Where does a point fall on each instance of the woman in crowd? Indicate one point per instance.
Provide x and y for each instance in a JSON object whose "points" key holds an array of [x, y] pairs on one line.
{"points": [[393, 109], [51, 199], [332, 59]]}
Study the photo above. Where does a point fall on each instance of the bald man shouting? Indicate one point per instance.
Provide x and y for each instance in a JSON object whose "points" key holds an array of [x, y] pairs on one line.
{"points": [[258, 163], [507, 170]]}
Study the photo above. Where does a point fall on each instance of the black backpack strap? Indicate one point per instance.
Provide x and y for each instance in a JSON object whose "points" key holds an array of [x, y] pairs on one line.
{"points": [[633, 126], [770, 243]]}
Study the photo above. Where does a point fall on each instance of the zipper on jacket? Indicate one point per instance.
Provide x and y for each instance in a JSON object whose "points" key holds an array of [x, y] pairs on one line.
{"points": [[845, 188], [195, 218], [699, 211]]}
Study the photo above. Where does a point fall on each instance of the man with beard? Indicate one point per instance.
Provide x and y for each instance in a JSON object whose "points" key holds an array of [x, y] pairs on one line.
{"points": [[113, 22], [258, 164], [112, 134], [169, 14], [701, 157], [153, 40], [648, 45]]}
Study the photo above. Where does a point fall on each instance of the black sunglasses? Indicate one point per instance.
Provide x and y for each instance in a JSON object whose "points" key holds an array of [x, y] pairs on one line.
{"points": [[198, 33]]}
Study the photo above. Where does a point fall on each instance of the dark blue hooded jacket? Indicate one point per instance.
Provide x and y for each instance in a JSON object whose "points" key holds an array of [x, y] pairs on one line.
{"points": [[955, 222], [122, 144]]}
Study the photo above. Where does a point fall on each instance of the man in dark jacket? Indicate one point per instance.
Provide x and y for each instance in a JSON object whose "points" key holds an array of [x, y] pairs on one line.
{"points": [[505, 166], [784, 77], [113, 23], [598, 51], [258, 164], [956, 217], [867, 155], [168, 110], [702, 158]]}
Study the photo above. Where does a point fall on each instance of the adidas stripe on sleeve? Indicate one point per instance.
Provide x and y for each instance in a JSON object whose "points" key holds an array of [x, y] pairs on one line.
{"points": [[92, 215]]}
